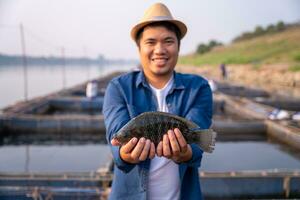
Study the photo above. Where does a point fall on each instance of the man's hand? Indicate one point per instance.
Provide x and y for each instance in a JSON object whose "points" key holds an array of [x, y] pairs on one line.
{"points": [[174, 147], [136, 150]]}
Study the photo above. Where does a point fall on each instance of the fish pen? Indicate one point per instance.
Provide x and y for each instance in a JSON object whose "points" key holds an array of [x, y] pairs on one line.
{"points": [[54, 147]]}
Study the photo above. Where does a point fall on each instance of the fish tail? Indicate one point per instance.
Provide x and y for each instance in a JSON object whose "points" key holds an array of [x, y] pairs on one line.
{"points": [[206, 138]]}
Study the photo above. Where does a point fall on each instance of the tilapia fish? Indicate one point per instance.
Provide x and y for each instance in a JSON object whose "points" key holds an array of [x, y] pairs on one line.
{"points": [[153, 125]]}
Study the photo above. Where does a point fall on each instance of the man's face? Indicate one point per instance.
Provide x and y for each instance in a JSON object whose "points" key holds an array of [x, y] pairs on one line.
{"points": [[158, 49]]}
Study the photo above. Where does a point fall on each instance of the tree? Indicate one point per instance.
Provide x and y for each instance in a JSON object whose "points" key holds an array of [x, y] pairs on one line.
{"points": [[271, 29], [202, 48], [280, 26], [259, 31]]}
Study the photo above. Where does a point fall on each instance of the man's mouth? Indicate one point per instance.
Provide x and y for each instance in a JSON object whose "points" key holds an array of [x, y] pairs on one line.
{"points": [[160, 61]]}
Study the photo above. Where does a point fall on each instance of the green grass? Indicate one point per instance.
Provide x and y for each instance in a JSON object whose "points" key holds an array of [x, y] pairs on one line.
{"points": [[282, 47], [295, 68], [296, 56]]}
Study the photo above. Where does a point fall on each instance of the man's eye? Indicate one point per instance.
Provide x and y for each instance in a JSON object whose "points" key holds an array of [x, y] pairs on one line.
{"points": [[170, 41], [150, 42]]}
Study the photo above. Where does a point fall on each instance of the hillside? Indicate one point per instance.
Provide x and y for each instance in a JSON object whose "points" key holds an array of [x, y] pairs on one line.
{"points": [[282, 47]]}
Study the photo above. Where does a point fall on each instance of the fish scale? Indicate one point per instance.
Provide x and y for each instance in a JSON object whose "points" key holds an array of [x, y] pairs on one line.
{"points": [[153, 125]]}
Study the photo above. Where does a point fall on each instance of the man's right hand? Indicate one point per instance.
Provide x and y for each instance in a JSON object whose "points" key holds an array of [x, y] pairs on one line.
{"points": [[136, 150]]}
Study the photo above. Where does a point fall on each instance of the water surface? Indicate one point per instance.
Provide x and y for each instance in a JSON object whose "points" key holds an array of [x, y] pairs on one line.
{"points": [[43, 80], [253, 155], [53, 158], [228, 156]]}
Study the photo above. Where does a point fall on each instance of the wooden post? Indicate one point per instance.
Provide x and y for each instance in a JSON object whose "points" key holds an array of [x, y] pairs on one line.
{"points": [[63, 67], [23, 45], [87, 64]]}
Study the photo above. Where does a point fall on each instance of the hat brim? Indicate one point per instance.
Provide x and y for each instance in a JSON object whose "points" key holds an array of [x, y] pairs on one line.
{"points": [[181, 26]]}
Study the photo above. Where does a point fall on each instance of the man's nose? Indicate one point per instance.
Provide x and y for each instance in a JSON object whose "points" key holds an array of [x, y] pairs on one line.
{"points": [[159, 48]]}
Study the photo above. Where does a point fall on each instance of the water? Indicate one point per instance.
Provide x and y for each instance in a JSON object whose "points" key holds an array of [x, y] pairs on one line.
{"points": [[257, 155], [43, 80], [53, 158], [228, 156]]}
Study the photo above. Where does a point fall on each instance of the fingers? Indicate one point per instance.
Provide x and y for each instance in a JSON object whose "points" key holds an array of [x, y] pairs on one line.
{"points": [[152, 151], [135, 154], [146, 149], [166, 147], [182, 142], [115, 142], [127, 148], [159, 149], [137, 150], [174, 144]]}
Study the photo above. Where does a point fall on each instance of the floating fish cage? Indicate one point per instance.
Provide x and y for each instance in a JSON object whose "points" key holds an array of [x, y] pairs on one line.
{"points": [[66, 111], [241, 91], [73, 117], [55, 186], [282, 106], [286, 130], [251, 185]]}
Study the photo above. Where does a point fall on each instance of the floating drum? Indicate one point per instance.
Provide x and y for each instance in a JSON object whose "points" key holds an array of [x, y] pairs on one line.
{"points": [[92, 89]]}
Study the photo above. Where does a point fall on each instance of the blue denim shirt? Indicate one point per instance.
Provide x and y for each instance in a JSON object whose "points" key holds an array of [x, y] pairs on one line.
{"points": [[129, 95]]}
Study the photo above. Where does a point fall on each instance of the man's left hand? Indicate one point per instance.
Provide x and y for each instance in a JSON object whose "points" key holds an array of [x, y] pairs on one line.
{"points": [[174, 147]]}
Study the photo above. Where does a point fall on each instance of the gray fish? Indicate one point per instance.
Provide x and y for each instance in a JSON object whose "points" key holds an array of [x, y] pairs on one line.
{"points": [[153, 125]]}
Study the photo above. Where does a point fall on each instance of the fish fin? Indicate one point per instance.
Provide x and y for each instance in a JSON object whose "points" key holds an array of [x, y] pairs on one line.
{"points": [[206, 138]]}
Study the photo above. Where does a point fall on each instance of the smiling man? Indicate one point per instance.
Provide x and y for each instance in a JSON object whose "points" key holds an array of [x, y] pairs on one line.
{"points": [[169, 170]]}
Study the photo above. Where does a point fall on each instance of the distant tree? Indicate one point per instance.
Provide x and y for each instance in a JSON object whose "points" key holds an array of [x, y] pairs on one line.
{"points": [[259, 31], [243, 36], [271, 29], [202, 48], [213, 43], [280, 26]]}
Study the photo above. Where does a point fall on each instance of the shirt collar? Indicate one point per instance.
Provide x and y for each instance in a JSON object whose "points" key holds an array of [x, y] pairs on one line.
{"points": [[177, 84], [141, 80]]}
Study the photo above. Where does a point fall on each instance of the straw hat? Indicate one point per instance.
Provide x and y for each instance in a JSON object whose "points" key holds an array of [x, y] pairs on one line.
{"points": [[157, 13]]}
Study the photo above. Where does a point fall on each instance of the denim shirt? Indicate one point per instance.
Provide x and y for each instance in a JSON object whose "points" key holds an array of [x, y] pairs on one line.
{"points": [[129, 95]]}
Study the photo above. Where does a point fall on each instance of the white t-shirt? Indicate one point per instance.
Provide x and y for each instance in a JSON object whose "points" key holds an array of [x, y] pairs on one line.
{"points": [[164, 180]]}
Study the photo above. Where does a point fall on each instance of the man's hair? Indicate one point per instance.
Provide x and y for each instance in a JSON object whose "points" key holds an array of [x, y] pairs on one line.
{"points": [[168, 25]]}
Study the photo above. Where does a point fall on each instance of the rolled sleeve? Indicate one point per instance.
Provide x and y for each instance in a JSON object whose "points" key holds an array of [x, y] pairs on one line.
{"points": [[196, 156]]}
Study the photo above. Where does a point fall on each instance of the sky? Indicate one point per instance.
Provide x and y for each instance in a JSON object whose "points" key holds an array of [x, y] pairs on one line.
{"points": [[94, 27]]}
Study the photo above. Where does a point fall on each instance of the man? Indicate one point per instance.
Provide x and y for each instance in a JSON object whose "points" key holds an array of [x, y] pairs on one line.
{"points": [[170, 170]]}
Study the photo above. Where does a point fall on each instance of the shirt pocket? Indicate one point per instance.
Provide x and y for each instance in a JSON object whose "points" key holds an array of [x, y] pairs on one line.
{"points": [[134, 110]]}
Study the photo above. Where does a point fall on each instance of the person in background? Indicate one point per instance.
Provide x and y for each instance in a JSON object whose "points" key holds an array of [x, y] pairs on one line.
{"points": [[223, 71], [170, 169]]}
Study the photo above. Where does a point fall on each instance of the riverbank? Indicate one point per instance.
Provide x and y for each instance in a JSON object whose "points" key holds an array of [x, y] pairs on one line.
{"points": [[273, 78]]}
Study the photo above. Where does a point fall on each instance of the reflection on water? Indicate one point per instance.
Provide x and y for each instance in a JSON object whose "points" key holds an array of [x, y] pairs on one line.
{"points": [[66, 156], [236, 156], [46, 79], [53, 158]]}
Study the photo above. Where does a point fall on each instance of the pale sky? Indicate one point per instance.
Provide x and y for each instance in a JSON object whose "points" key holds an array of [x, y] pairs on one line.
{"points": [[103, 27]]}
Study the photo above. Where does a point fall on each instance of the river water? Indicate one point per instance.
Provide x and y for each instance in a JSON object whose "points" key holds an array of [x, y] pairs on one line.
{"points": [[228, 156], [45, 79]]}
